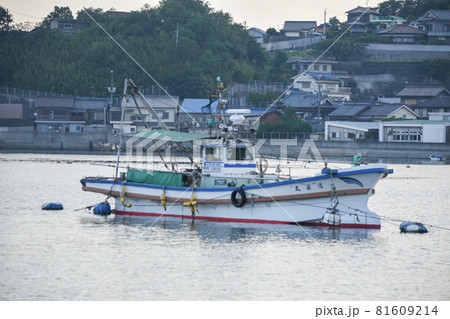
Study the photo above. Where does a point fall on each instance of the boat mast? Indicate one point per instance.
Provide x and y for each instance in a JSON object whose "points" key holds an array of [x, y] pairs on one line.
{"points": [[122, 115]]}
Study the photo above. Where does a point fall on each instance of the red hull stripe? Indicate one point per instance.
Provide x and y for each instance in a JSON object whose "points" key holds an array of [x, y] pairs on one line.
{"points": [[241, 220]]}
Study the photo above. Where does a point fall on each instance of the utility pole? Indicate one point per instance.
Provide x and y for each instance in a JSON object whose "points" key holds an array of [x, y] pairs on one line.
{"points": [[324, 21]]}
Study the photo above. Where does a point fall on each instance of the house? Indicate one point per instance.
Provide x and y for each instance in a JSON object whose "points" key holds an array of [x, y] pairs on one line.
{"points": [[53, 114], [415, 94], [349, 131], [437, 25], [94, 112], [402, 34], [309, 104], [358, 18], [437, 104], [348, 111], [12, 118], [322, 83], [271, 116], [371, 113], [385, 22], [323, 27], [67, 25], [415, 131], [298, 29], [166, 108], [301, 65], [257, 34], [71, 115]]}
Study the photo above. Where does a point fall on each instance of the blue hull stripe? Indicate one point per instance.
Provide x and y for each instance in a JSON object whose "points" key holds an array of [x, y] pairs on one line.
{"points": [[292, 181]]}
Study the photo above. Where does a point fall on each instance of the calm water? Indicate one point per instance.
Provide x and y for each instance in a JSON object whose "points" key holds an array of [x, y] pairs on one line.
{"points": [[70, 255]]}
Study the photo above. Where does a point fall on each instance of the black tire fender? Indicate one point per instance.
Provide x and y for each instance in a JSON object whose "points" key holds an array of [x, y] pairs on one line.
{"points": [[238, 203]]}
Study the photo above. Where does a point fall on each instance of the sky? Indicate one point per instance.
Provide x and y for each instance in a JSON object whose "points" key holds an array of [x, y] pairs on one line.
{"points": [[261, 14]]}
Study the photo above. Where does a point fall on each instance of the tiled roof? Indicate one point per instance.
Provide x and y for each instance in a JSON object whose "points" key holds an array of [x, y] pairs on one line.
{"points": [[402, 29], [437, 101], [435, 14], [63, 102], [348, 110], [360, 9], [422, 91], [380, 110], [325, 76]]}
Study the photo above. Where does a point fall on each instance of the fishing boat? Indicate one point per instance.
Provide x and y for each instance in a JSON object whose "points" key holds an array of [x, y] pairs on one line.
{"points": [[229, 184], [438, 158]]}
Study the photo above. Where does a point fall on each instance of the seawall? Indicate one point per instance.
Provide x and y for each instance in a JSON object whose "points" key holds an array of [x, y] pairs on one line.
{"points": [[104, 141]]}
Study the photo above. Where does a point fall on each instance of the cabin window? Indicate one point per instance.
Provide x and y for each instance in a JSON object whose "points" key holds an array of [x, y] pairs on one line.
{"points": [[212, 154], [239, 154]]}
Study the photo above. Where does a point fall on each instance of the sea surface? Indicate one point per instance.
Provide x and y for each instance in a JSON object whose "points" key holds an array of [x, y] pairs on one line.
{"points": [[74, 255]]}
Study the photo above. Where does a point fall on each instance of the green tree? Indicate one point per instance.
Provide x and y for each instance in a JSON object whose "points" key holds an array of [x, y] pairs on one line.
{"points": [[58, 12], [5, 20]]}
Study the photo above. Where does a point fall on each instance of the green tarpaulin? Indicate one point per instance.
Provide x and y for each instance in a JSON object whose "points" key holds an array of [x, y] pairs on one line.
{"points": [[155, 178]]}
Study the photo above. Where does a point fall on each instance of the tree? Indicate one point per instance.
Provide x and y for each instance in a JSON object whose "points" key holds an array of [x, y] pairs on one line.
{"points": [[58, 12], [5, 20]]}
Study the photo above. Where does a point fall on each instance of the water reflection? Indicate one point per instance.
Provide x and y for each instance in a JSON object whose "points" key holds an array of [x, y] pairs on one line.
{"points": [[231, 232]]}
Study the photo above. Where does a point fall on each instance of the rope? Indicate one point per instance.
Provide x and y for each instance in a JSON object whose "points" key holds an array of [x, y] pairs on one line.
{"points": [[129, 247], [134, 60]]}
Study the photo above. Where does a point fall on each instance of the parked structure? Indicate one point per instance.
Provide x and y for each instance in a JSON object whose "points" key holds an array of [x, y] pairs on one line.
{"points": [[437, 104], [437, 25], [72, 115], [403, 34], [165, 106], [417, 131], [257, 34], [366, 112], [323, 84], [415, 94], [67, 25], [298, 29], [350, 131]]}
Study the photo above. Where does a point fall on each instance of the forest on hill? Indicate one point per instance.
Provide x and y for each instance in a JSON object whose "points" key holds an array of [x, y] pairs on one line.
{"points": [[207, 44], [183, 44]]}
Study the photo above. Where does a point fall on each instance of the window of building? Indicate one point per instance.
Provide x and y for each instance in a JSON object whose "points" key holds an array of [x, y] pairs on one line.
{"points": [[51, 114], [306, 85], [351, 135], [316, 67], [67, 26], [325, 68]]}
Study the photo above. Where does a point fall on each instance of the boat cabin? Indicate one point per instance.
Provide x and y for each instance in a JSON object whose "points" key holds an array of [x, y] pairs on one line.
{"points": [[224, 163]]}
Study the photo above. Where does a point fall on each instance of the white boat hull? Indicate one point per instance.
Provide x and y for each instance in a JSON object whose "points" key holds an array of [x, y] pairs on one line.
{"points": [[303, 201]]}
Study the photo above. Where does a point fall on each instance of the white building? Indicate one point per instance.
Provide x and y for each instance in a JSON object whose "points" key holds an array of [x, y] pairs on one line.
{"points": [[416, 131]]}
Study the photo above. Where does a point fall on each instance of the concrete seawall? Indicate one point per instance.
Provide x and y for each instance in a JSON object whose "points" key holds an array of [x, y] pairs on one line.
{"points": [[33, 140], [103, 141]]}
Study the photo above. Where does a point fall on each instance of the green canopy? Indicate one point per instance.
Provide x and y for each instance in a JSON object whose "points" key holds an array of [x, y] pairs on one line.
{"points": [[167, 135]]}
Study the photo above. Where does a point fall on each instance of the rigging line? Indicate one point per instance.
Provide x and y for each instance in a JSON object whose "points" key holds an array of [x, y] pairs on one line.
{"points": [[320, 246], [133, 59], [131, 245], [315, 61]]}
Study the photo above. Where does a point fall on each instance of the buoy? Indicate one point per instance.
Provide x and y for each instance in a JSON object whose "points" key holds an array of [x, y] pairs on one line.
{"points": [[52, 206], [411, 227], [103, 209], [331, 218]]}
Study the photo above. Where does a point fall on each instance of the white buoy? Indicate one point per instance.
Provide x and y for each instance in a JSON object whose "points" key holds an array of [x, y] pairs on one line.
{"points": [[331, 219]]}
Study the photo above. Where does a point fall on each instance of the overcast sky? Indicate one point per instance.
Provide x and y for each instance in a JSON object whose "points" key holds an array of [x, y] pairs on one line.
{"points": [[254, 13]]}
